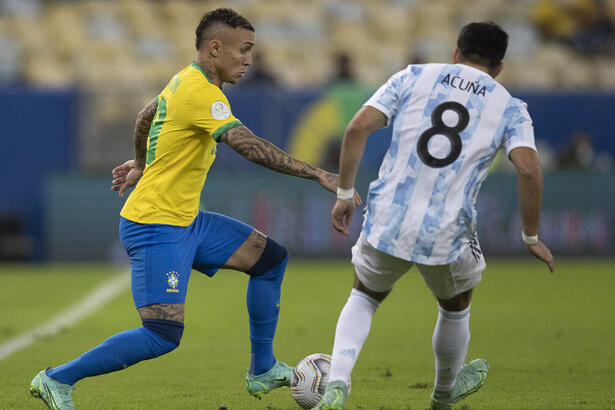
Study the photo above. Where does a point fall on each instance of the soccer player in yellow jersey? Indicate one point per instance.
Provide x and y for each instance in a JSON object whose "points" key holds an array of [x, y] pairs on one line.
{"points": [[166, 235]]}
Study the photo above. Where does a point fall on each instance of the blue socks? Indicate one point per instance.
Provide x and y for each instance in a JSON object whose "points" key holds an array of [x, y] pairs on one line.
{"points": [[124, 349], [158, 337], [263, 301]]}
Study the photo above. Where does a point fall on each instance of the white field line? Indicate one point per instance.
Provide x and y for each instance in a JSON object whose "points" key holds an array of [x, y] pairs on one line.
{"points": [[89, 304]]}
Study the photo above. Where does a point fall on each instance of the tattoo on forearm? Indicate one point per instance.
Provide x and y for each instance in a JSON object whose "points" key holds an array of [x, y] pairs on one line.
{"points": [[142, 126], [165, 311], [334, 179], [264, 153]]}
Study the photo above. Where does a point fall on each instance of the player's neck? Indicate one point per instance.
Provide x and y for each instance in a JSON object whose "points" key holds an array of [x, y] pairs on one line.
{"points": [[477, 66], [209, 70]]}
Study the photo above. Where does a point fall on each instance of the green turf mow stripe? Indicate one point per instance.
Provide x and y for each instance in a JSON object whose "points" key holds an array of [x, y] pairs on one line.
{"points": [[546, 351], [154, 132], [89, 304]]}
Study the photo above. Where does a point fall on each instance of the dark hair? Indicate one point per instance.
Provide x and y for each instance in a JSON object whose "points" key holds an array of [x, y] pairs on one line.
{"points": [[225, 16], [483, 43]]}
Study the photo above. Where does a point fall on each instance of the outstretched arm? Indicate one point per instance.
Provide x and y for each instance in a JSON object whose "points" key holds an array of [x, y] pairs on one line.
{"points": [[366, 121], [264, 153], [530, 198], [129, 173]]}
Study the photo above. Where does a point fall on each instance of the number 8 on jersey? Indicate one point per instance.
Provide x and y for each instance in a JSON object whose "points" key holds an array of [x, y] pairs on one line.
{"points": [[440, 128]]}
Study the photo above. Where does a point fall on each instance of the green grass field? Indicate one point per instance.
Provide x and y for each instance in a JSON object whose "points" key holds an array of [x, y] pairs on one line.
{"points": [[549, 339]]}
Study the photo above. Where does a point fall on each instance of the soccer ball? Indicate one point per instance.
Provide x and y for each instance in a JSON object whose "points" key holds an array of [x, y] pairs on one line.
{"points": [[310, 378]]}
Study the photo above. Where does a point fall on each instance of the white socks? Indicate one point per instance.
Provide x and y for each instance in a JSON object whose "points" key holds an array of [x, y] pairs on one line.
{"points": [[352, 330], [450, 345], [450, 340]]}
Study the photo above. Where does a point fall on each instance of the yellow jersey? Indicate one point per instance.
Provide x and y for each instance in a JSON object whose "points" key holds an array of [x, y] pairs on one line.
{"points": [[192, 113]]}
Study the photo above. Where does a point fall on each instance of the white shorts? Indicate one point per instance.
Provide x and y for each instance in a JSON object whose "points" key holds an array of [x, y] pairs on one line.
{"points": [[379, 271]]}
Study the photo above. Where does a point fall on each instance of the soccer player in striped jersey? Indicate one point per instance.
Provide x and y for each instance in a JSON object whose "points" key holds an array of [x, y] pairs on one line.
{"points": [[166, 235], [449, 121]]}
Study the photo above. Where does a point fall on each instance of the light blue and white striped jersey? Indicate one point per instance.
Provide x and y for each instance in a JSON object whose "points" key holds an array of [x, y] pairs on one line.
{"points": [[449, 121]]}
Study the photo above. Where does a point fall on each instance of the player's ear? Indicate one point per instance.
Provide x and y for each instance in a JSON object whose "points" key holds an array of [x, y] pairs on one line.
{"points": [[214, 48], [498, 70], [456, 55]]}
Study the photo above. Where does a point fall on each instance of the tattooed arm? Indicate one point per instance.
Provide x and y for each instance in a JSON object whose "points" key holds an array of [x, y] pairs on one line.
{"points": [[129, 173], [264, 153], [142, 125]]}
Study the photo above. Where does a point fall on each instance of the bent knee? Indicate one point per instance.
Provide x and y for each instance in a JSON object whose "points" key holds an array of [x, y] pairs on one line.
{"points": [[457, 303], [273, 255], [168, 330], [360, 286]]}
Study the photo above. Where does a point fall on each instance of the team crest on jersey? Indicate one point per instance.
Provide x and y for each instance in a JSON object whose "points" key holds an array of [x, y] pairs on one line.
{"points": [[173, 282], [220, 111]]}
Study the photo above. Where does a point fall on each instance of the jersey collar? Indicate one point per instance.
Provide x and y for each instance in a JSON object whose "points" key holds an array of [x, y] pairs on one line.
{"points": [[471, 68]]}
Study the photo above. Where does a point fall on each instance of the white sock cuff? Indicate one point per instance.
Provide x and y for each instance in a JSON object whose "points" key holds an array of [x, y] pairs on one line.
{"points": [[462, 314], [372, 301]]}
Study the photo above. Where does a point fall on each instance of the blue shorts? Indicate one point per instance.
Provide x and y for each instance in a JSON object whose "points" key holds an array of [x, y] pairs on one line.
{"points": [[161, 256]]}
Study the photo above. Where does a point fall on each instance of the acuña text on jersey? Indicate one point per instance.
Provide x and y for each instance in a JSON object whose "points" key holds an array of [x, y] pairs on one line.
{"points": [[464, 85]]}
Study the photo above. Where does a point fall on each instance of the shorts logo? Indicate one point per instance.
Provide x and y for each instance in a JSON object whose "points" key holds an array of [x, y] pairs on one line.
{"points": [[220, 111], [173, 282], [475, 248]]}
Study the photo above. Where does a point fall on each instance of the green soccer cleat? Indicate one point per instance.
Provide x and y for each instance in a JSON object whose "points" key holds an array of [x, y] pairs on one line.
{"points": [[56, 395], [335, 396], [471, 377], [278, 376]]}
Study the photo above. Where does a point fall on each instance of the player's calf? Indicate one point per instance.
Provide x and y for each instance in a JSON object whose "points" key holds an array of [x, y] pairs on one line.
{"points": [[155, 338], [263, 300]]}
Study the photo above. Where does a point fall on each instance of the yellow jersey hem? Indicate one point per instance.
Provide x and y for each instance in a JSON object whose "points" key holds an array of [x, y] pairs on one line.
{"points": [[160, 220]]}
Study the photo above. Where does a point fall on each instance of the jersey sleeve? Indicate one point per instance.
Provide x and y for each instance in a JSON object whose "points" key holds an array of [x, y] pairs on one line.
{"points": [[211, 112], [520, 131], [386, 98]]}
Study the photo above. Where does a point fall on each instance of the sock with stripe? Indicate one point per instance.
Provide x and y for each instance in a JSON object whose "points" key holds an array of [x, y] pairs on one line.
{"points": [[450, 345], [351, 332]]}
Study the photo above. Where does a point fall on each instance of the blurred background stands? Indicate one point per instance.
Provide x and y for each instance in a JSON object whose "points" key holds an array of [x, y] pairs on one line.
{"points": [[74, 73], [123, 52]]}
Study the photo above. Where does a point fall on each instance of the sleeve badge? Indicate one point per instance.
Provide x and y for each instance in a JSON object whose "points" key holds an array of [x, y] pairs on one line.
{"points": [[220, 111]]}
